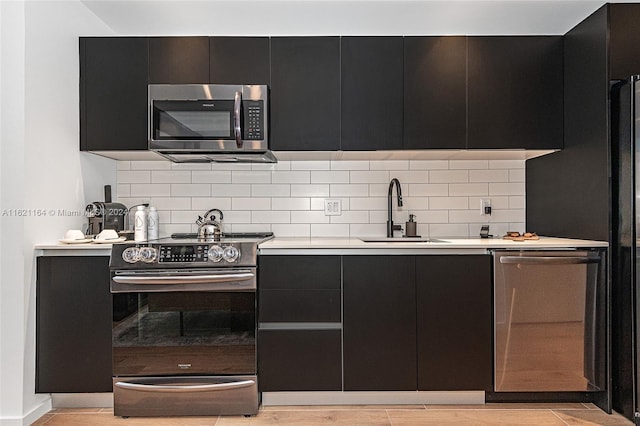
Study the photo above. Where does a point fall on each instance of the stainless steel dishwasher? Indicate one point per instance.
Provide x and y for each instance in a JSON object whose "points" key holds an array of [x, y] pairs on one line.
{"points": [[550, 321]]}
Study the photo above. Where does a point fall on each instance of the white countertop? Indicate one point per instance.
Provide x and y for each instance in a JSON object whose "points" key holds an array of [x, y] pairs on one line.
{"points": [[451, 245], [355, 246]]}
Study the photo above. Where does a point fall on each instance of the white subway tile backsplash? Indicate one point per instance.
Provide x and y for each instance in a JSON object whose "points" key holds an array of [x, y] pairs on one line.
{"points": [[489, 175], [207, 203], [315, 216], [349, 165], [211, 176], [291, 204], [389, 165], [369, 177], [271, 216], [293, 176], [310, 165], [251, 203], [134, 176], [338, 176], [292, 230], [190, 190], [516, 188], [231, 190], [309, 190], [150, 190], [170, 176], [330, 230], [469, 189], [428, 190], [448, 176], [468, 164], [248, 176], [288, 197], [270, 190], [150, 165], [355, 190], [428, 165], [449, 203]]}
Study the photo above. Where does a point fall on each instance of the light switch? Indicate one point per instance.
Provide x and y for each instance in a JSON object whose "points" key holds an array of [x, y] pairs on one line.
{"points": [[332, 207]]}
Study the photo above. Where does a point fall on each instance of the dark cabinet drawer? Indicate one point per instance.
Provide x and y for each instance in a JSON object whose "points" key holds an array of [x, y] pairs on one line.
{"points": [[299, 272], [299, 306], [299, 360]]}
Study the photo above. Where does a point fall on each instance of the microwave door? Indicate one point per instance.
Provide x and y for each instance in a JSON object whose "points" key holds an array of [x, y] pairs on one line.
{"points": [[193, 120]]}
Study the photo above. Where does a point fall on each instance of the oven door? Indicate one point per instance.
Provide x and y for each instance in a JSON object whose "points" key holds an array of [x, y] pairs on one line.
{"points": [[184, 322]]}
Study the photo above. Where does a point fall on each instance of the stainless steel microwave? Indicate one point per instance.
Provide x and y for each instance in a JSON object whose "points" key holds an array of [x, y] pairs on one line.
{"points": [[210, 122]]}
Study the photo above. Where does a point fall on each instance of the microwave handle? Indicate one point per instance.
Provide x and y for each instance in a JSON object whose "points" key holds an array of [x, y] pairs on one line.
{"points": [[237, 130]]}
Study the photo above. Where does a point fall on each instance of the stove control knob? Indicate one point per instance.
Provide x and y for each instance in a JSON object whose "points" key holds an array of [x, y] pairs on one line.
{"points": [[231, 254], [131, 254], [215, 253], [148, 254]]}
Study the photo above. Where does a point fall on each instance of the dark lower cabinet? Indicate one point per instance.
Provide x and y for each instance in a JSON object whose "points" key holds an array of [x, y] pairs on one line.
{"points": [[299, 360], [455, 322], [379, 323], [73, 324], [299, 323]]}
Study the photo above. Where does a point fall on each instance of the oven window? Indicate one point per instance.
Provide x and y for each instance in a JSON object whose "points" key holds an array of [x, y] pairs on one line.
{"points": [[184, 333]]}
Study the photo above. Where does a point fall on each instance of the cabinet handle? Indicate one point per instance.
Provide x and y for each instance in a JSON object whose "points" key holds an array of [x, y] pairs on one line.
{"points": [[185, 388], [549, 260], [237, 131]]}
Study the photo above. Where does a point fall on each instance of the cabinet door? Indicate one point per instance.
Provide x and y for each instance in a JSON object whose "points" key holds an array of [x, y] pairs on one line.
{"points": [[515, 92], [379, 323], [178, 60], [239, 60], [371, 89], [435, 92], [299, 360], [305, 93], [113, 93], [73, 325], [455, 318]]}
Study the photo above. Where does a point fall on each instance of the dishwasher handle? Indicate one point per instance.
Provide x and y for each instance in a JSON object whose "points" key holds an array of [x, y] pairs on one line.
{"points": [[549, 260]]}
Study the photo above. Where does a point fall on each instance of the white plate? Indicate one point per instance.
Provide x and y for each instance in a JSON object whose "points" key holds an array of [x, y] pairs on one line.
{"points": [[86, 240], [110, 241]]}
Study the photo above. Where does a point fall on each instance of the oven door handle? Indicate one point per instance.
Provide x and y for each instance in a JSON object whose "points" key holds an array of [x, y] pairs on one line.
{"points": [[183, 279], [185, 388]]}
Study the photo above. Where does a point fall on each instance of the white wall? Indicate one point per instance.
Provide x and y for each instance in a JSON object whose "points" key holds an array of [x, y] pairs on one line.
{"points": [[288, 197], [42, 172]]}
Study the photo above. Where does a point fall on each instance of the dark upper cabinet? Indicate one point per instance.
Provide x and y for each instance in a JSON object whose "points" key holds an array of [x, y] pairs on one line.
{"points": [[113, 93], [515, 92], [371, 98], [178, 60], [455, 322], [435, 92], [305, 93], [239, 60], [624, 39], [73, 324], [379, 323]]}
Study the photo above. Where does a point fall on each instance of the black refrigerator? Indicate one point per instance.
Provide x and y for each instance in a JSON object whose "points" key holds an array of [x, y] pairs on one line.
{"points": [[625, 247]]}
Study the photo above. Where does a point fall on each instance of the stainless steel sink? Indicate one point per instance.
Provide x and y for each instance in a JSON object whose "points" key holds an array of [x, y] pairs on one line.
{"points": [[402, 240]]}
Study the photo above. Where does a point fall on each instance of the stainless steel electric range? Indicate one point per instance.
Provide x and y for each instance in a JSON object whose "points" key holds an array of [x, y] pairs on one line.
{"points": [[184, 326]]}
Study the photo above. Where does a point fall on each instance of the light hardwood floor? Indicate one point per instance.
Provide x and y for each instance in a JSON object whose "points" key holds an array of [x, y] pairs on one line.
{"points": [[489, 414]]}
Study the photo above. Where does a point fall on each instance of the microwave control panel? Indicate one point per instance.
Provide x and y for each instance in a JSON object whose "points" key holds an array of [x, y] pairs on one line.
{"points": [[253, 120]]}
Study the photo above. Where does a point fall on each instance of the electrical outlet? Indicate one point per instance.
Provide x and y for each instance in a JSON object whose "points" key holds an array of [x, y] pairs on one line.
{"points": [[485, 207], [332, 207]]}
